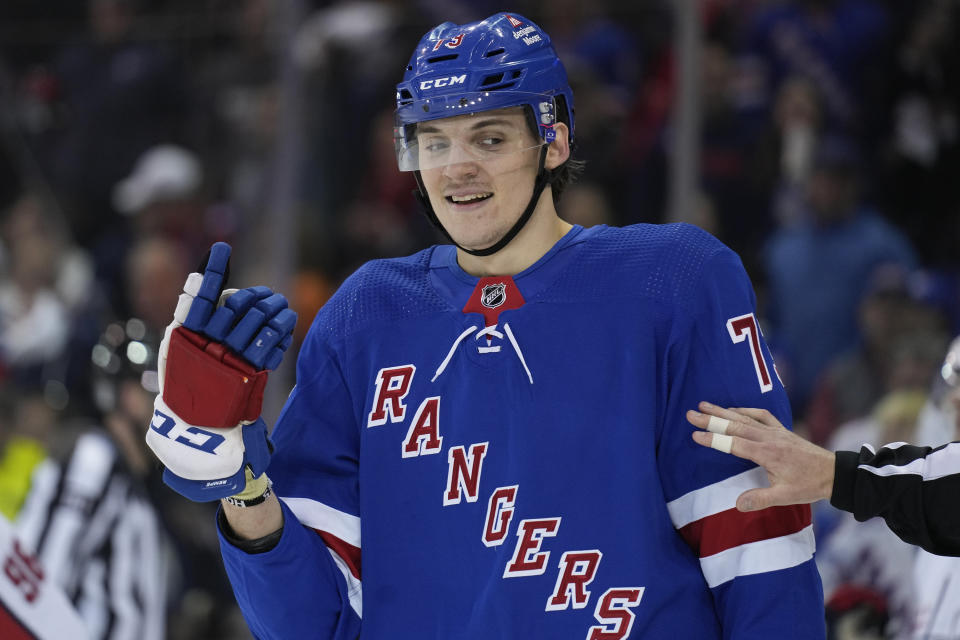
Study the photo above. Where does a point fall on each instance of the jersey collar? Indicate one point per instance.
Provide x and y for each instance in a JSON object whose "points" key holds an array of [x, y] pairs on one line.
{"points": [[456, 285]]}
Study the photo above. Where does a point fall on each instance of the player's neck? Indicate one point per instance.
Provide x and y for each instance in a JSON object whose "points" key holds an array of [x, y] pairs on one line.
{"points": [[542, 231]]}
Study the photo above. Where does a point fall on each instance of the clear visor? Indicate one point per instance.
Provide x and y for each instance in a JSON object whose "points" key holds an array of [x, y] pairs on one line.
{"points": [[482, 137]]}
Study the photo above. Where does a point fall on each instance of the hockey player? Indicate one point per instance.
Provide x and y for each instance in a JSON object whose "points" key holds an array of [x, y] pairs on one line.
{"points": [[496, 426]]}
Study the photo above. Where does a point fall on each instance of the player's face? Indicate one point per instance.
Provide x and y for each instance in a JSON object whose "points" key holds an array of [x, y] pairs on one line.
{"points": [[479, 172]]}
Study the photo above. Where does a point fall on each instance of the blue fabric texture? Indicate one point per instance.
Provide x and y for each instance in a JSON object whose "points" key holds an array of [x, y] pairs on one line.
{"points": [[472, 472]]}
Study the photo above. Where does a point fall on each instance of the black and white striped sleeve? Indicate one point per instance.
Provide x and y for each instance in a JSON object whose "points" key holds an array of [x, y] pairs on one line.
{"points": [[916, 490], [99, 540]]}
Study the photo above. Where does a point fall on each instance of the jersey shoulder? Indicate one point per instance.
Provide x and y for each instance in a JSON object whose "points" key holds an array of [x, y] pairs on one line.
{"points": [[660, 261], [380, 292]]}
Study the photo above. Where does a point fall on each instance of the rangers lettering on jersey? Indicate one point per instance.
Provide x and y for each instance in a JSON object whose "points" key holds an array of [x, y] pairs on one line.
{"points": [[613, 612], [527, 559], [464, 473], [577, 570], [392, 386], [424, 437], [499, 515]]}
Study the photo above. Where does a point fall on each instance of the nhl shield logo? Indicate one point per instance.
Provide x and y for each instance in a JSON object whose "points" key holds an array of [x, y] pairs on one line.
{"points": [[493, 295]]}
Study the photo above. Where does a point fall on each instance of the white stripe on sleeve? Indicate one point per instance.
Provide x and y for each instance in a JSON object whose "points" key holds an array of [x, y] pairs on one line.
{"points": [[939, 464], [317, 515], [715, 498], [759, 557]]}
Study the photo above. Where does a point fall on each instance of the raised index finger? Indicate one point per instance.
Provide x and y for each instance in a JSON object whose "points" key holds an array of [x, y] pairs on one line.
{"points": [[215, 269]]}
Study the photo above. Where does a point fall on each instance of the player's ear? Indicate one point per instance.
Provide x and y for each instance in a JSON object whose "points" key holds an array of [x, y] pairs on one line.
{"points": [[558, 151]]}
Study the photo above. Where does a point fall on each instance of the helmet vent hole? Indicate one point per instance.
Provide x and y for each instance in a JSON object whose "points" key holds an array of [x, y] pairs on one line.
{"points": [[494, 79], [495, 52], [451, 56]]}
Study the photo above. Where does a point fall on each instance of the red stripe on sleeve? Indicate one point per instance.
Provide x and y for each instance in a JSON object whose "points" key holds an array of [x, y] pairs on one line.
{"points": [[349, 553], [11, 628], [732, 528]]}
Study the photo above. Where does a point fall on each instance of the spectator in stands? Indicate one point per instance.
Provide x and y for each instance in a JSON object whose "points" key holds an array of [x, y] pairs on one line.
{"points": [[902, 338], [836, 44], [923, 138], [34, 318], [818, 269], [123, 94]]}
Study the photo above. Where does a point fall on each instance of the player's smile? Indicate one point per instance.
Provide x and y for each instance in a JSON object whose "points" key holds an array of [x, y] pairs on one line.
{"points": [[468, 200]]}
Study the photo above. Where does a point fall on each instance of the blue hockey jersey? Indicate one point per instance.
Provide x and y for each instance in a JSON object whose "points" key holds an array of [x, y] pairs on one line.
{"points": [[510, 458]]}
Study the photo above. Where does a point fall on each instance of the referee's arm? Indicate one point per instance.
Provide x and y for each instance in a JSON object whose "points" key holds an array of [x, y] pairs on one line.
{"points": [[916, 490]]}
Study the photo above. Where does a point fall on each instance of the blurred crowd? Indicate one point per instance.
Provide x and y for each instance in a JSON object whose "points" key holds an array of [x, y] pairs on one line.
{"points": [[133, 133]]}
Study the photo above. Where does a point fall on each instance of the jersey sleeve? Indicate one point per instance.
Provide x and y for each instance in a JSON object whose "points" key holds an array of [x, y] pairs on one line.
{"points": [[759, 565], [914, 489], [98, 539], [32, 605], [309, 585]]}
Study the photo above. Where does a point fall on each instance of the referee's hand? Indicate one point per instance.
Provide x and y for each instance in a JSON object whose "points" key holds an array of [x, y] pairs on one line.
{"points": [[799, 471]]}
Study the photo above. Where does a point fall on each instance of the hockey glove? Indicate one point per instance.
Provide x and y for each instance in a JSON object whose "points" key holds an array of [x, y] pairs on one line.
{"points": [[213, 363]]}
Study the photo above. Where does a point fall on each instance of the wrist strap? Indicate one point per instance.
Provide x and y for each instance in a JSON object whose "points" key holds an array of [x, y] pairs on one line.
{"points": [[251, 502], [256, 491]]}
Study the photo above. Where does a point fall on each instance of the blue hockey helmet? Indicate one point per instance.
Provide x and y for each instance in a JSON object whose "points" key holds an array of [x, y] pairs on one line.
{"points": [[503, 61]]}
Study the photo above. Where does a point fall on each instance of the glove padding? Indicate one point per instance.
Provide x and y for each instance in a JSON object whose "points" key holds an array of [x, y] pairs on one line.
{"points": [[207, 464], [206, 427], [206, 370]]}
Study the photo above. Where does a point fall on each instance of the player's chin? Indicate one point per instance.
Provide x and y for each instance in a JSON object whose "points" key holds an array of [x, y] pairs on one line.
{"points": [[473, 238]]}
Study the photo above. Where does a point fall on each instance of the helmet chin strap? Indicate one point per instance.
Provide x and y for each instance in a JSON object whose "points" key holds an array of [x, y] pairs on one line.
{"points": [[543, 179]]}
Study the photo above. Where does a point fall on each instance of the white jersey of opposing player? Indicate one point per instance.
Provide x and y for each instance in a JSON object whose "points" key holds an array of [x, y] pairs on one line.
{"points": [[31, 606], [937, 584]]}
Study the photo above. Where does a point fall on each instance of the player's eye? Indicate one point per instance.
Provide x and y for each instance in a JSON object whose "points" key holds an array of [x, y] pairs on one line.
{"points": [[490, 142], [434, 145]]}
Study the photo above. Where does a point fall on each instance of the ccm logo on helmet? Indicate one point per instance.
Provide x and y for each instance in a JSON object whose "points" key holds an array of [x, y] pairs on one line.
{"points": [[194, 437], [436, 83]]}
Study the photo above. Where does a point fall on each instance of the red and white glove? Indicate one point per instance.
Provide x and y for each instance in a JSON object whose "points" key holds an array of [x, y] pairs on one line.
{"points": [[213, 365]]}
